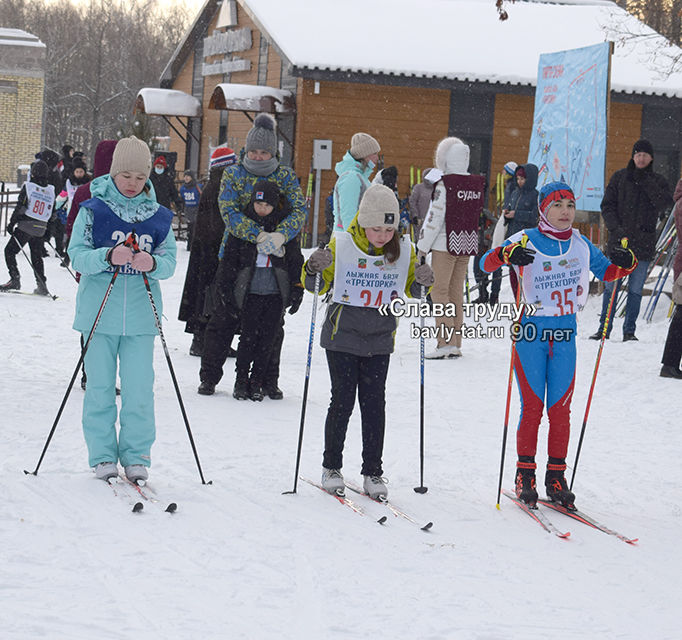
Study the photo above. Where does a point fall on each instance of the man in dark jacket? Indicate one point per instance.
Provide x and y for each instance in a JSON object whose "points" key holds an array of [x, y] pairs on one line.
{"points": [[634, 200], [164, 185]]}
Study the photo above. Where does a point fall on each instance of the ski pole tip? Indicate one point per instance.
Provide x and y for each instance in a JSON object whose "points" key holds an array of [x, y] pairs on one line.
{"points": [[421, 489], [30, 473]]}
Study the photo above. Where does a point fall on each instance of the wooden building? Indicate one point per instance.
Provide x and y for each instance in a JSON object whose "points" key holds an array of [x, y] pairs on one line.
{"points": [[408, 79]]}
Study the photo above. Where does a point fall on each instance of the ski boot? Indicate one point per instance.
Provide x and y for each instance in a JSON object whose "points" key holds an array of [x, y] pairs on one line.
{"points": [[332, 481], [556, 485], [375, 487], [13, 283], [41, 288], [526, 488]]}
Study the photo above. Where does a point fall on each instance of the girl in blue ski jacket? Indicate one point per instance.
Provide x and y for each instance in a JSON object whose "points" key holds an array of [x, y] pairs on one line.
{"points": [[123, 202], [553, 262]]}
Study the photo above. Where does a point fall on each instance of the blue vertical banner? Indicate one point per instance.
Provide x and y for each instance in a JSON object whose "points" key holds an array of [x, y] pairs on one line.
{"points": [[568, 141]]}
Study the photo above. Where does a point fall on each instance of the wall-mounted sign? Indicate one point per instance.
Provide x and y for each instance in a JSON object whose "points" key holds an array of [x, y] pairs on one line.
{"points": [[228, 42], [225, 66]]}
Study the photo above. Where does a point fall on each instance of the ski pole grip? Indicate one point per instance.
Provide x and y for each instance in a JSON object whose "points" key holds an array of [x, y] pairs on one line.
{"points": [[524, 240], [624, 243]]}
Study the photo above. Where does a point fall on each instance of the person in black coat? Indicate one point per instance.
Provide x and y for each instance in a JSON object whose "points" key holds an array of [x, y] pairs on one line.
{"points": [[634, 201], [34, 208], [254, 289], [164, 185], [195, 305]]}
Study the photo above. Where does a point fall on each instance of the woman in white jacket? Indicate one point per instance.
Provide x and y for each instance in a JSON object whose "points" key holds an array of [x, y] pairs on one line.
{"points": [[452, 157]]}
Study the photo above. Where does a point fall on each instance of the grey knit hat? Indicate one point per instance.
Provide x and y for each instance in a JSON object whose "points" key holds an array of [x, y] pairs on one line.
{"points": [[363, 145], [378, 208], [262, 135], [131, 154]]}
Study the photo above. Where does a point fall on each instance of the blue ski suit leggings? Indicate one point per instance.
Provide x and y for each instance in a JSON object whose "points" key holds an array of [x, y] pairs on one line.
{"points": [[135, 356], [545, 369]]}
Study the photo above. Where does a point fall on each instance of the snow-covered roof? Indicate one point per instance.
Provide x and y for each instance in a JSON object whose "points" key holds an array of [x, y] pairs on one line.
{"points": [[17, 37], [167, 102], [249, 97], [464, 39]]}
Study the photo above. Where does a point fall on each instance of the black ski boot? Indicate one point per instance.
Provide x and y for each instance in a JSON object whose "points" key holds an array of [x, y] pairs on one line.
{"points": [[556, 485], [526, 488], [241, 387]]}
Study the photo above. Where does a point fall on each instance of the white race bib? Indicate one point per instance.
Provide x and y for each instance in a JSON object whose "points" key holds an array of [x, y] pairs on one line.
{"points": [[361, 280], [40, 201], [558, 285]]}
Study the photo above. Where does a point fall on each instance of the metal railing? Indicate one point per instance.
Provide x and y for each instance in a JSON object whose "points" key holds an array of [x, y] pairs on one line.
{"points": [[8, 200]]}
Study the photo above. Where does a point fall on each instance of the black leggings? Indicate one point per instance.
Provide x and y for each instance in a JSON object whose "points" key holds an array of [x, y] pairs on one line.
{"points": [[366, 376], [14, 246]]}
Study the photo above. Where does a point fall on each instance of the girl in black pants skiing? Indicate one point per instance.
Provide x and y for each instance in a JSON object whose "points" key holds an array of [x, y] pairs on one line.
{"points": [[364, 267]]}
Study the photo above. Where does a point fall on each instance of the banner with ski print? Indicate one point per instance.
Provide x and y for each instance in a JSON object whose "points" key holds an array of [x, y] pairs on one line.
{"points": [[568, 141]]}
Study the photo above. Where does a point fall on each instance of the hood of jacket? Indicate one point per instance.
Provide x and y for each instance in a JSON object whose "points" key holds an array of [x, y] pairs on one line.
{"points": [[141, 207], [457, 159], [531, 177], [349, 163], [104, 152], [442, 151]]}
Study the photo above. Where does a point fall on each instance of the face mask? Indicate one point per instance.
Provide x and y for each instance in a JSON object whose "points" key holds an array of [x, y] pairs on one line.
{"points": [[158, 170]]}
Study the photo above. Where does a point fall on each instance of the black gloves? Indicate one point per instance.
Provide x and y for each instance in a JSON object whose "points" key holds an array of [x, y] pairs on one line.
{"points": [[516, 254], [623, 257], [295, 298]]}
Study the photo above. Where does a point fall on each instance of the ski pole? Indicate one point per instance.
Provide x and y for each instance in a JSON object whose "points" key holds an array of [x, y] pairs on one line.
{"points": [[73, 275], [421, 488], [510, 379], [136, 249], [624, 244], [304, 402], [37, 275], [75, 372]]}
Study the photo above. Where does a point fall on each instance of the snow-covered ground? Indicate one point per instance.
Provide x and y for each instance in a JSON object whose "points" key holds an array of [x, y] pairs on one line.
{"points": [[241, 560]]}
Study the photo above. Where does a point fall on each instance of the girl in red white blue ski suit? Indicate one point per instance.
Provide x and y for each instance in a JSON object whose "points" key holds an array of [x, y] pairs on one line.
{"points": [[555, 279]]}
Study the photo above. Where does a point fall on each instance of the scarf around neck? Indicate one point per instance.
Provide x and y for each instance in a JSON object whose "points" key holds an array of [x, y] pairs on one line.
{"points": [[261, 167]]}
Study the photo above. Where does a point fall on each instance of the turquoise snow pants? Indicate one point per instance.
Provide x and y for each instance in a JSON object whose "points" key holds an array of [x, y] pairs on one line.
{"points": [[135, 355]]}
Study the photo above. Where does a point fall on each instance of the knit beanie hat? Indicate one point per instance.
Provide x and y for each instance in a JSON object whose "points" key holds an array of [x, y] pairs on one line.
{"points": [[643, 146], [551, 192], [39, 171], [262, 135], [131, 154], [363, 145], [161, 161], [79, 163], [510, 167], [378, 208], [222, 157], [265, 191]]}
